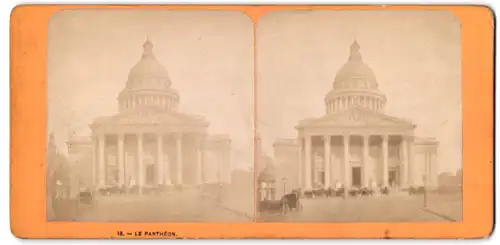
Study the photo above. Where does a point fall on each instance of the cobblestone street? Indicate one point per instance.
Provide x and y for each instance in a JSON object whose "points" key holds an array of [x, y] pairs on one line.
{"points": [[189, 206], [392, 208]]}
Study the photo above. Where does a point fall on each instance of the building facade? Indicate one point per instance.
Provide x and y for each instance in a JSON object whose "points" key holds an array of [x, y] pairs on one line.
{"points": [[355, 143], [286, 155], [149, 142]]}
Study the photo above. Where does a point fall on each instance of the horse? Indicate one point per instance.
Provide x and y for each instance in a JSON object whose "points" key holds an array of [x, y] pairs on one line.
{"points": [[366, 191], [178, 188], [308, 194], [319, 192], [329, 192], [340, 192], [290, 201], [384, 190], [353, 191], [416, 191]]}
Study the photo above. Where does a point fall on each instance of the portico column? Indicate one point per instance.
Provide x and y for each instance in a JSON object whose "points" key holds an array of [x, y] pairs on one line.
{"points": [[301, 163], [227, 158], [95, 162], [140, 163], [121, 163], [347, 165], [411, 177], [366, 158], [159, 159], [327, 146], [219, 166], [199, 159], [432, 168], [404, 162], [179, 158], [102, 166], [426, 168], [308, 169], [385, 155]]}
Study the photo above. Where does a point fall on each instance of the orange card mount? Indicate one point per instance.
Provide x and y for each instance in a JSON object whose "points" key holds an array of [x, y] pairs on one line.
{"points": [[171, 121]]}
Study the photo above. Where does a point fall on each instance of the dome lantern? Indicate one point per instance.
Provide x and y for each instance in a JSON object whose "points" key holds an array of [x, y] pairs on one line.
{"points": [[355, 54], [148, 50]]}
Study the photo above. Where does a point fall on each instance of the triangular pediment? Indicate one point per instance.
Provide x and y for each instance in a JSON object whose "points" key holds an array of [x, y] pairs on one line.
{"points": [[356, 116]]}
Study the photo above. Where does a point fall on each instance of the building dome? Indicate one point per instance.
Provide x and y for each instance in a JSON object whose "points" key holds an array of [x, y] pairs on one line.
{"points": [[148, 73], [355, 84], [355, 75], [268, 174], [148, 84]]}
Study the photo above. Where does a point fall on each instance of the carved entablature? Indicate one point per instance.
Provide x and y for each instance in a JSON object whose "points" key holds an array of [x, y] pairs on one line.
{"points": [[149, 120], [145, 129], [355, 121]]}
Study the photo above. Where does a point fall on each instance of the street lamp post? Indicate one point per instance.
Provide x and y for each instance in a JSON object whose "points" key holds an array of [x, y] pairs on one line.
{"points": [[284, 186], [219, 199]]}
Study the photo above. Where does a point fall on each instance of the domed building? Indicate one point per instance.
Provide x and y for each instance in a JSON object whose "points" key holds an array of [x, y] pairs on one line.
{"points": [[149, 142], [355, 142]]}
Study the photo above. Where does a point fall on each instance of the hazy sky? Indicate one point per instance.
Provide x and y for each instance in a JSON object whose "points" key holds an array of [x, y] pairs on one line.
{"points": [[208, 54], [415, 56]]}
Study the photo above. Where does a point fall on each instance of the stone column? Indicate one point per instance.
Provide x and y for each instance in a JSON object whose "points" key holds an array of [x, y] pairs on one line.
{"points": [[228, 166], [411, 176], [347, 164], [167, 167], [300, 170], [199, 159], [426, 167], [328, 150], [179, 158], [404, 162], [385, 153], [120, 160], [102, 161], [433, 170], [140, 163], [308, 169], [159, 160], [95, 162], [367, 169], [219, 166]]}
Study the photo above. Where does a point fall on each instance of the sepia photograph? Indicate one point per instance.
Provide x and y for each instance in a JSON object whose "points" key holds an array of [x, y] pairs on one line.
{"points": [[359, 116], [251, 122], [150, 116]]}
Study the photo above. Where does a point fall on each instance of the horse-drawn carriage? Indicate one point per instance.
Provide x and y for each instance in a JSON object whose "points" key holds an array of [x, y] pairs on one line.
{"points": [[288, 203], [291, 202], [361, 191], [384, 190], [324, 192], [366, 191], [68, 199], [413, 191], [267, 202]]}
